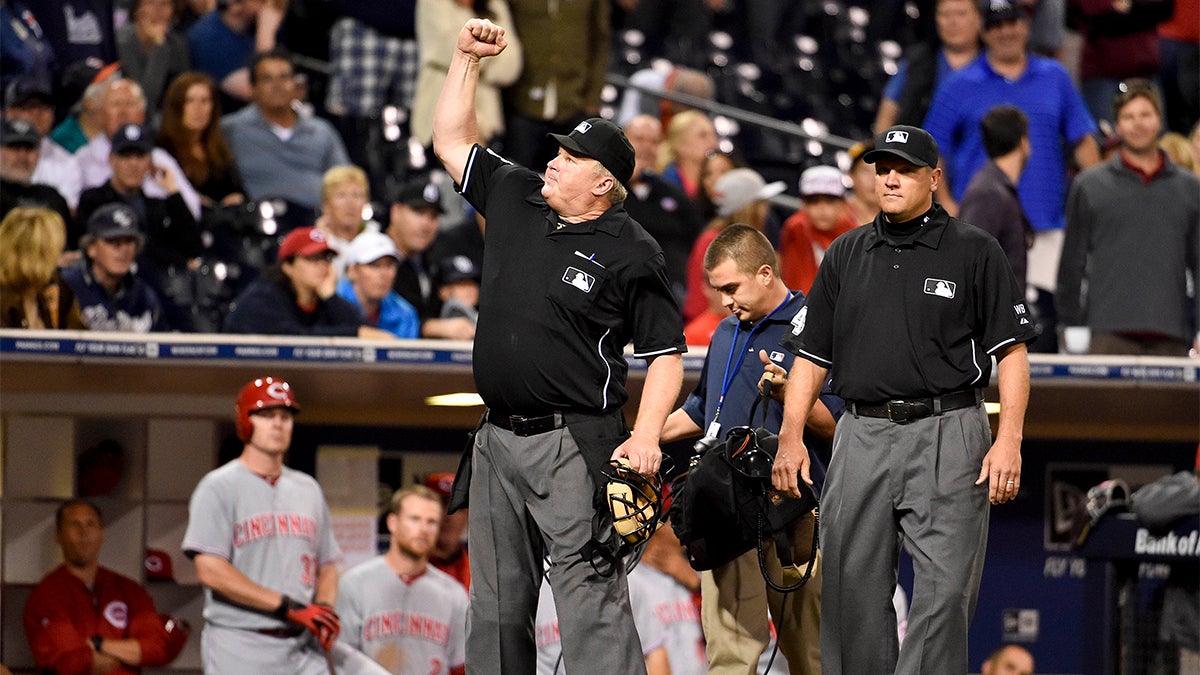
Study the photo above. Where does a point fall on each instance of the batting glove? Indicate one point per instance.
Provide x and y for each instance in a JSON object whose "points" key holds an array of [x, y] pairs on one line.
{"points": [[318, 618]]}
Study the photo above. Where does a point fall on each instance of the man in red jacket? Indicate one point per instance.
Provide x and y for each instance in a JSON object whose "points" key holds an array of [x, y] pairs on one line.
{"points": [[83, 618]]}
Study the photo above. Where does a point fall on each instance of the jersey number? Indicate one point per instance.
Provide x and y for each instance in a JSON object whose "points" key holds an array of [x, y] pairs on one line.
{"points": [[308, 570]]}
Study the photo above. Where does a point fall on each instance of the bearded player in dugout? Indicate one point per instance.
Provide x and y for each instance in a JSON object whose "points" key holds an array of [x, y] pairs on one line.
{"points": [[549, 362]]}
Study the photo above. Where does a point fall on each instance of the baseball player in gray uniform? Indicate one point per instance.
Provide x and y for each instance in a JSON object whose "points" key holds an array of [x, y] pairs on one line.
{"points": [[401, 611], [549, 641], [671, 613], [260, 536]]}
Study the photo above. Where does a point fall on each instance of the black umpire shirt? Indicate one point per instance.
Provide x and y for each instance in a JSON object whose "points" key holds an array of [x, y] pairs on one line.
{"points": [[913, 316], [559, 301]]}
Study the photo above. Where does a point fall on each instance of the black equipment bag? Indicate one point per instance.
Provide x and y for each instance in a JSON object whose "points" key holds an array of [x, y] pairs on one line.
{"points": [[723, 505]]}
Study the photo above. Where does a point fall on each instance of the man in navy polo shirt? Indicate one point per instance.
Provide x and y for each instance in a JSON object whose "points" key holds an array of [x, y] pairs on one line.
{"points": [[1058, 118], [569, 279], [740, 265], [907, 312]]}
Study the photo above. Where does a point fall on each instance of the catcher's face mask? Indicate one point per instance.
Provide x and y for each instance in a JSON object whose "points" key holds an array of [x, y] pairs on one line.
{"points": [[635, 501]]}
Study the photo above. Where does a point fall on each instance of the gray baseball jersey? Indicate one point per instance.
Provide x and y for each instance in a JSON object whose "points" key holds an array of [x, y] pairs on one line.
{"points": [[415, 627], [673, 614], [278, 535], [549, 644]]}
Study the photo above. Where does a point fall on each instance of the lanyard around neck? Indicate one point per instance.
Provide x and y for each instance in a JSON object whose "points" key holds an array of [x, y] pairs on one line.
{"points": [[731, 369]]}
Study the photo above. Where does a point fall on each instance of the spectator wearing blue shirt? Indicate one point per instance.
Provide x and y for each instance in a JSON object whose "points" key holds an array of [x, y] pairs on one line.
{"points": [[371, 263], [110, 297], [926, 65], [222, 42], [1058, 118]]}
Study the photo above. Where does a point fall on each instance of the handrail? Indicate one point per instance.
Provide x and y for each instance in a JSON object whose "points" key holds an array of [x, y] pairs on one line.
{"points": [[732, 112]]}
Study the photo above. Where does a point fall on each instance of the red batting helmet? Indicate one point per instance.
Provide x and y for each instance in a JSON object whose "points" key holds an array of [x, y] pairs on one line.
{"points": [[259, 394]]}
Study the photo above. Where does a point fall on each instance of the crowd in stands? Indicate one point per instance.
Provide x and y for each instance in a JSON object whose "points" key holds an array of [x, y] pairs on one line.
{"points": [[271, 158]]}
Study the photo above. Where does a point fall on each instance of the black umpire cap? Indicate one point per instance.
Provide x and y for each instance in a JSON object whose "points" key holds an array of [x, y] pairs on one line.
{"points": [[604, 142], [909, 143]]}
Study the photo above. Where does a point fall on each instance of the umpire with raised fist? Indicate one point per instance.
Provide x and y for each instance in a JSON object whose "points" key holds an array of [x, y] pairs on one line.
{"points": [[569, 279], [907, 312]]}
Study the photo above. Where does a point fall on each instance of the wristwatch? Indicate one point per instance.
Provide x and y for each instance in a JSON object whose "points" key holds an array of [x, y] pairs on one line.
{"points": [[96, 642]]}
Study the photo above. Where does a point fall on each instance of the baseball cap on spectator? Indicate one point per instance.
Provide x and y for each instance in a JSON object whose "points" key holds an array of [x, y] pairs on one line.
{"points": [[370, 246], [419, 194], [822, 180], [908, 143], [132, 138], [25, 89], [604, 142], [303, 241], [15, 132], [998, 11], [113, 221], [457, 268], [739, 188], [78, 76]]}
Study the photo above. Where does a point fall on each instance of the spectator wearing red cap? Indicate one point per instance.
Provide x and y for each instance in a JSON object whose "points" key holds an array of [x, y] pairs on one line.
{"points": [[290, 298]]}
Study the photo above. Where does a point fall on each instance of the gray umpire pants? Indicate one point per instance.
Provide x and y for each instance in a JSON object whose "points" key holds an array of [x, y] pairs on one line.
{"points": [[528, 496], [914, 480]]}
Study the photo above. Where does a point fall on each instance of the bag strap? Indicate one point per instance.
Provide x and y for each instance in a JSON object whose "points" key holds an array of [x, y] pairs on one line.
{"points": [[812, 556], [764, 397]]}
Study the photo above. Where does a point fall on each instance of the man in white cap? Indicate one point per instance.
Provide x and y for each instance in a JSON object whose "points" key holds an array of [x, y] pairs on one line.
{"points": [[371, 263], [823, 217]]}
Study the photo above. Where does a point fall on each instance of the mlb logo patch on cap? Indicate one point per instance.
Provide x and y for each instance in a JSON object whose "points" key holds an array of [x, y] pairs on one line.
{"points": [[897, 137]]}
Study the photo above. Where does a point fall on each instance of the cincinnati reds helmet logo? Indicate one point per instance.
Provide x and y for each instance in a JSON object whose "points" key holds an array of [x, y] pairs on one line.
{"points": [[278, 391]]}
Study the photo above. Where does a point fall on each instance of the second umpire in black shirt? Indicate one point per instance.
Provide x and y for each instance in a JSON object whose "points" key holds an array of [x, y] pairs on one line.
{"points": [[907, 313], [569, 279]]}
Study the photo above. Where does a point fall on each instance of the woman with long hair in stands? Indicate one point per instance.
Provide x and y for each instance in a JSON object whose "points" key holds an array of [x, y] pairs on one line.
{"points": [[32, 293], [190, 132], [691, 136]]}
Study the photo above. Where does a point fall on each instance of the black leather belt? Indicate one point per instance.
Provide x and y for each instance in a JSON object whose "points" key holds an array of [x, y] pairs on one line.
{"points": [[289, 632], [522, 425], [908, 410]]}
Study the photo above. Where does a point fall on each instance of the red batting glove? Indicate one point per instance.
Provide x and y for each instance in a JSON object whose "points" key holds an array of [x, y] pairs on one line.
{"points": [[319, 619]]}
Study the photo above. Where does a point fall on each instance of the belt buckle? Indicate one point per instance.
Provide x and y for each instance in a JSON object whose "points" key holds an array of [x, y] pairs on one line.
{"points": [[899, 411], [517, 424]]}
